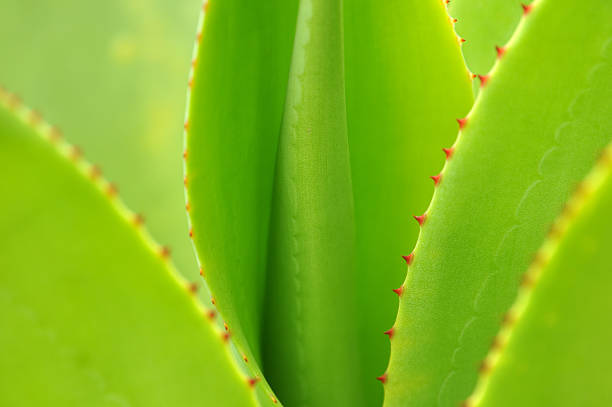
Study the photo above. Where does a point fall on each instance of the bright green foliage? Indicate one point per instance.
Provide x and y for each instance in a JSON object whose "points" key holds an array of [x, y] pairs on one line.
{"points": [[312, 128], [557, 351], [235, 114], [405, 85], [484, 24], [91, 314], [312, 236], [385, 74], [534, 132], [112, 75]]}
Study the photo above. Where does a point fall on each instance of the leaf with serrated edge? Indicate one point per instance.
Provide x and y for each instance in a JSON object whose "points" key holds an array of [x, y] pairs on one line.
{"points": [[111, 75], [553, 348], [405, 85], [486, 221], [92, 312]]}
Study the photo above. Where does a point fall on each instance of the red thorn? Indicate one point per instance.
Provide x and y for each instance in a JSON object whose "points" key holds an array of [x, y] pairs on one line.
{"points": [[199, 37], [212, 299], [274, 399], [211, 314], [462, 40], [408, 258], [389, 333], [448, 152], [75, 153], [185, 155], [138, 219], [500, 51], [187, 207], [191, 233], [462, 123], [111, 190], [246, 360], [192, 287], [526, 8], [225, 326], [55, 134], [454, 20], [483, 80], [436, 179], [399, 291], [420, 219], [253, 381], [194, 62], [185, 180], [35, 118], [164, 252], [205, 6], [202, 271], [447, 1], [190, 83], [186, 125], [382, 379], [226, 336], [94, 172]]}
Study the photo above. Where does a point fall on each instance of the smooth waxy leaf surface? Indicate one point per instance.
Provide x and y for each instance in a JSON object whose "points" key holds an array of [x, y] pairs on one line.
{"points": [[556, 350], [484, 25], [112, 75], [92, 314], [488, 217], [235, 113], [405, 84], [232, 143], [310, 291]]}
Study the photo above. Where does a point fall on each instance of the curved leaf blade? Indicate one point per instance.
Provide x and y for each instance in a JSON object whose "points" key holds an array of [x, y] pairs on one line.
{"points": [[554, 348], [406, 82], [549, 121], [92, 314]]}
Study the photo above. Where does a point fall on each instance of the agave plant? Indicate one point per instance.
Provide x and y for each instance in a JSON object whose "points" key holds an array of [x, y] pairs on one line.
{"points": [[312, 127]]}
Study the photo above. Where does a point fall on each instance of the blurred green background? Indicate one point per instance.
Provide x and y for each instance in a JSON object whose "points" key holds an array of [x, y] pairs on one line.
{"points": [[112, 75]]}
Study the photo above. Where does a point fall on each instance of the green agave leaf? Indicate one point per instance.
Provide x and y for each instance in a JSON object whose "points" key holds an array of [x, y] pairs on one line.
{"points": [[390, 68], [485, 25], [405, 85], [553, 348], [111, 75], [92, 314], [310, 291], [238, 88], [488, 217]]}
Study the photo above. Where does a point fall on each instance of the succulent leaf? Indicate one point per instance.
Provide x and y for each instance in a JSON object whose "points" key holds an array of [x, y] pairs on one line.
{"points": [[386, 75], [93, 314], [488, 218], [111, 75], [236, 101], [405, 84], [486, 27], [310, 294], [553, 348]]}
